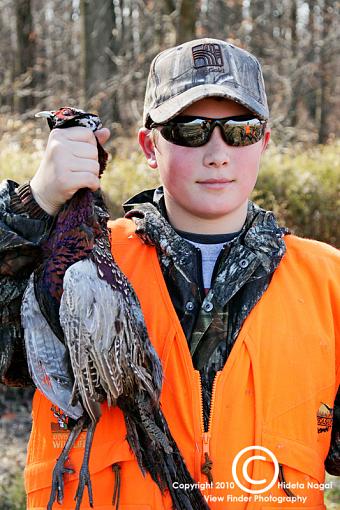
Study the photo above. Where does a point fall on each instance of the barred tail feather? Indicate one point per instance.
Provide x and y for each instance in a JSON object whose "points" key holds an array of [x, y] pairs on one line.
{"points": [[157, 453]]}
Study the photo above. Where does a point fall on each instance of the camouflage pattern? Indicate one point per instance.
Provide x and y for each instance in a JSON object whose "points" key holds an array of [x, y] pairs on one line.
{"points": [[212, 322], [242, 276], [20, 236], [203, 68]]}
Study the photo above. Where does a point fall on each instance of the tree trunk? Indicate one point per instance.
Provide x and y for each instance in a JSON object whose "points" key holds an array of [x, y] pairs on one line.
{"points": [[258, 28], [186, 21], [221, 19], [311, 99], [97, 57], [325, 72], [25, 54], [295, 59]]}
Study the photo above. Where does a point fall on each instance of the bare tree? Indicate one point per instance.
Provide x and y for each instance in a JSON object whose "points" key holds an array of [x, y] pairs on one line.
{"points": [[310, 95], [294, 56], [186, 20], [327, 56], [7, 57], [97, 53], [221, 19], [26, 39]]}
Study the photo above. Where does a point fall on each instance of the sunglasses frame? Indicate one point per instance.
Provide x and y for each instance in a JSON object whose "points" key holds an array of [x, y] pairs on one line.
{"points": [[221, 122]]}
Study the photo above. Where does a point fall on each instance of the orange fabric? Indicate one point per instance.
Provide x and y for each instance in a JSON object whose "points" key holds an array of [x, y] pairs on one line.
{"points": [[282, 368]]}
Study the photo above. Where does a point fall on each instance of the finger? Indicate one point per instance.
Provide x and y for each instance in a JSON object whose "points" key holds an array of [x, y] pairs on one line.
{"points": [[77, 134], [85, 165], [102, 135], [78, 180], [84, 150]]}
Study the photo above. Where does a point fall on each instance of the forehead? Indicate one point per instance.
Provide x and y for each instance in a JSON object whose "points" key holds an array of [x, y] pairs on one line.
{"points": [[215, 107]]}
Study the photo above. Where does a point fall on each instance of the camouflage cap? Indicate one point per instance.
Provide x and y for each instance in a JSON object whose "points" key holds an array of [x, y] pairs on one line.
{"points": [[202, 68]]}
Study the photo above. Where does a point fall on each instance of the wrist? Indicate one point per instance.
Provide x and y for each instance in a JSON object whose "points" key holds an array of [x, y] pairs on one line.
{"points": [[32, 206], [48, 208]]}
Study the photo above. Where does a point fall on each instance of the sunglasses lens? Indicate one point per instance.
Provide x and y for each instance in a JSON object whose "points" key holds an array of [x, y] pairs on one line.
{"points": [[243, 133], [195, 132], [188, 134]]}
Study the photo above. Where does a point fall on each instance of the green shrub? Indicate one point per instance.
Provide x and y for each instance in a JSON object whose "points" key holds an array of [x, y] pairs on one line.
{"points": [[300, 185], [12, 492], [332, 495], [303, 189]]}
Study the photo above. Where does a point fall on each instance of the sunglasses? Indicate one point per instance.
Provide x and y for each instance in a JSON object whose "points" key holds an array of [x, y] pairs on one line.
{"points": [[189, 131]]}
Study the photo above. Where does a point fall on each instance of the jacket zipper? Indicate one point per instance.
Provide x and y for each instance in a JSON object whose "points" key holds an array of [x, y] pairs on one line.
{"points": [[206, 466]]}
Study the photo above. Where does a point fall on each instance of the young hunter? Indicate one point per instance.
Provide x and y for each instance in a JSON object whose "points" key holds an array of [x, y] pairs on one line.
{"points": [[244, 315]]}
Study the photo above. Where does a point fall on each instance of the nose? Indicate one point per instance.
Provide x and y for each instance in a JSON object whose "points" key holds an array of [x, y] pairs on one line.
{"points": [[216, 151]]}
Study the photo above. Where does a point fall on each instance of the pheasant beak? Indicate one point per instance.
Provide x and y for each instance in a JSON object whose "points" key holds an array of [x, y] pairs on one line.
{"points": [[45, 114]]}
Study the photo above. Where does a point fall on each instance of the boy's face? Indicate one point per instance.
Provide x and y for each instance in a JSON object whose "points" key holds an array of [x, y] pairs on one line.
{"points": [[206, 189]]}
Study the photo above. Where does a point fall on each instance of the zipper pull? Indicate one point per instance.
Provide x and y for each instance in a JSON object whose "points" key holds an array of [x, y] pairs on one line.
{"points": [[206, 467]]}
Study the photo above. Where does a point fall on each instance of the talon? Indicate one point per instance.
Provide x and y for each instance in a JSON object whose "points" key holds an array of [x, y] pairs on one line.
{"points": [[84, 481], [84, 475], [57, 489]]}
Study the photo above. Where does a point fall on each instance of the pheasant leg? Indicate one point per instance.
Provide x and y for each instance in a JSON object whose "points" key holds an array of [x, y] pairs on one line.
{"points": [[57, 491], [84, 475]]}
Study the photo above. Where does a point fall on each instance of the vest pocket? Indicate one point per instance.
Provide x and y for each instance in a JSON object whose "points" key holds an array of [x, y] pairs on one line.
{"points": [[295, 455], [38, 475], [300, 483], [103, 485]]}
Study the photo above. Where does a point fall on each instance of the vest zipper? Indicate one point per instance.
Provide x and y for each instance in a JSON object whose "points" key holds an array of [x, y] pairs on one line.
{"points": [[206, 467]]}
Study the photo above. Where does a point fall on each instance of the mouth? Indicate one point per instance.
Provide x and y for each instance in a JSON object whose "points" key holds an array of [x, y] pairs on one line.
{"points": [[218, 183]]}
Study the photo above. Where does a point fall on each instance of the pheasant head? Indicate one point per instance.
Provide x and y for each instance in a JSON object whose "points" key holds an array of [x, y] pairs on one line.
{"points": [[67, 117]]}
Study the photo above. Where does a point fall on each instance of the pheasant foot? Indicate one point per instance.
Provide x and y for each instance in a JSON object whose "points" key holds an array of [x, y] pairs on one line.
{"points": [[84, 475], [57, 491]]}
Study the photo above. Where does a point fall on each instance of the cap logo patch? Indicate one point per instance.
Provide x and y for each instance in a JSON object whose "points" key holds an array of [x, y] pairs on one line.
{"points": [[324, 418], [207, 55]]}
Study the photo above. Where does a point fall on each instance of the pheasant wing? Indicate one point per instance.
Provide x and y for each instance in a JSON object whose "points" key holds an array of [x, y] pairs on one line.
{"points": [[47, 357], [87, 322]]}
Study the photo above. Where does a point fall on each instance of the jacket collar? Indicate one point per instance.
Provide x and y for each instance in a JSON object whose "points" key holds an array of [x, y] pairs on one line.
{"points": [[261, 235]]}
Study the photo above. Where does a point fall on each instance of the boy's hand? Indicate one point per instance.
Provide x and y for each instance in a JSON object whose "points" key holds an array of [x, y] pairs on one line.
{"points": [[70, 162]]}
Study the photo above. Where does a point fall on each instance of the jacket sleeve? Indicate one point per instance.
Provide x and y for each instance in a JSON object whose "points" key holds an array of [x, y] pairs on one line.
{"points": [[332, 462], [23, 225]]}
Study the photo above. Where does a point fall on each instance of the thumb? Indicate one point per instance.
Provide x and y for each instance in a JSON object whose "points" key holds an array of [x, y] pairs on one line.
{"points": [[102, 135]]}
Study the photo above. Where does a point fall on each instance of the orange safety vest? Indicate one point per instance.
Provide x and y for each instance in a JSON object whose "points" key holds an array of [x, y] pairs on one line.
{"points": [[276, 391]]}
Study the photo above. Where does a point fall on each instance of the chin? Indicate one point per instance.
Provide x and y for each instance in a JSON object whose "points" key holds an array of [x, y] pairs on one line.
{"points": [[212, 214]]}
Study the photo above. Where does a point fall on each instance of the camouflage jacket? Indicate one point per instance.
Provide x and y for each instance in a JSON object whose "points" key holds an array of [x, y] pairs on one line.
{"points": [[210, 322], [242, 273]]}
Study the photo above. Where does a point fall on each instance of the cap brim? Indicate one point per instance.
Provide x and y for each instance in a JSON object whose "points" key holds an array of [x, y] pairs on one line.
{"points": [[175, 105]]}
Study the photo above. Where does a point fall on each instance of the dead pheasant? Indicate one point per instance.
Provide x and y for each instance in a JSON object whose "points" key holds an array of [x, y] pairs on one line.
{"points": [[87, 341]]}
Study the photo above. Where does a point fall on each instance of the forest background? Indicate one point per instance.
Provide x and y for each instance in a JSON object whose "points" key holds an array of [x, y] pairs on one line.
{"points": [[95, 54]]}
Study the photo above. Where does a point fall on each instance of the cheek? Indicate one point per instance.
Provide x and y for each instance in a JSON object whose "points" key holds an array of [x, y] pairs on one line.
{"points": [[249, 164], [175, 167], [170, 176]]}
